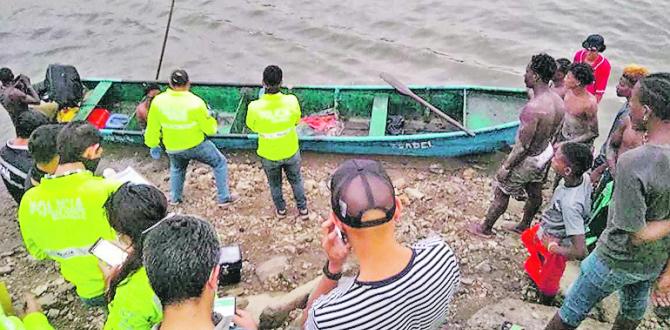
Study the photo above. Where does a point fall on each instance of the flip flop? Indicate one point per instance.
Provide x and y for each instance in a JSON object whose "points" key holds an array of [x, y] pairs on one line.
{"points": [[512, 228], [475, 229]]}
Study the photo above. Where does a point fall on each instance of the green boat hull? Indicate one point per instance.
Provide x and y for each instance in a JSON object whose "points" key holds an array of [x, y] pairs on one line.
{"points": [[491, 113]]}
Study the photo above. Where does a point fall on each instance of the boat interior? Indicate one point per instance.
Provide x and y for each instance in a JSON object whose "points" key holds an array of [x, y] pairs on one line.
{"points": [[362, 110]]}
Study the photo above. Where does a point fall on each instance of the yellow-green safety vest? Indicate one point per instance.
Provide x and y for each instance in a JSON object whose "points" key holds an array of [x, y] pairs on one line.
{"points": [[274, 117], [181, 117], [62, 218], [135, 305]]}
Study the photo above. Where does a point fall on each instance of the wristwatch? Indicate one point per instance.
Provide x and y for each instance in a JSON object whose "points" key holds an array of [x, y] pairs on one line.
{"points": [[329, 275]]}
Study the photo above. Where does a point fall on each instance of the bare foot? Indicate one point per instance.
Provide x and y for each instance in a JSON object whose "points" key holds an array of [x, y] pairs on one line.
{"points": [[513, 228], [478, 230]]}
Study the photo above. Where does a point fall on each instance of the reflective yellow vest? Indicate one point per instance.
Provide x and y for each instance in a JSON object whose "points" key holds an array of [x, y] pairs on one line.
{"points": [[61, 218], [274, 117], [181, 117], [32, 321], [135, 305]]}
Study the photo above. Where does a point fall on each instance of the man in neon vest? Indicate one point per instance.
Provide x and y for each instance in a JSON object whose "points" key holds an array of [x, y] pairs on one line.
{"points": [[274, 117], [64, 216], [184, 120]]}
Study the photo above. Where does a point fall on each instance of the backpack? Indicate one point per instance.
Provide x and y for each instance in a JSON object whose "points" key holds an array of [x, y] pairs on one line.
{"points": [[63, 85]]}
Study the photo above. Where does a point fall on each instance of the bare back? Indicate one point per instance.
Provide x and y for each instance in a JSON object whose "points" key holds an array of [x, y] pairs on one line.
{"points": [[544, 112]]}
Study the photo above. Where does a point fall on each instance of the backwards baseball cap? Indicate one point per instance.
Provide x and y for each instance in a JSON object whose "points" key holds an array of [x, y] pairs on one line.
{"points": [[179, 77], [358, 186], [595, 41]]}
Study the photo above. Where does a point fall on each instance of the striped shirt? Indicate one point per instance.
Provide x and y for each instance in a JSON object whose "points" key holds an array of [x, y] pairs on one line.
{"points": [[15, 162], [416, 298]]}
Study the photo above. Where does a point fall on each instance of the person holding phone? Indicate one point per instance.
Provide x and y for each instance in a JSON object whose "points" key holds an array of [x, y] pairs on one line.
{"points": [[132, 303], [61, 218], [181, 256], [395, 283]]}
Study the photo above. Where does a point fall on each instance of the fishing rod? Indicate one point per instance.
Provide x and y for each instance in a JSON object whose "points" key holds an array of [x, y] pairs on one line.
{"points": [[167, 30]]}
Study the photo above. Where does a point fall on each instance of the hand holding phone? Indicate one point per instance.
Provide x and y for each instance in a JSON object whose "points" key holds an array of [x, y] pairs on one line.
{"points": [[334, 243], [340, 235]]}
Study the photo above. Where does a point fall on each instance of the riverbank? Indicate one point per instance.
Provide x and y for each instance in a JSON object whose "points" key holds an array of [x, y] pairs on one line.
{"points": [[440, 195]]}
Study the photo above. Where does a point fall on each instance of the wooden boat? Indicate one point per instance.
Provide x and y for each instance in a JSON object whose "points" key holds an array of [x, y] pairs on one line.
{"points": [[491, 113]]}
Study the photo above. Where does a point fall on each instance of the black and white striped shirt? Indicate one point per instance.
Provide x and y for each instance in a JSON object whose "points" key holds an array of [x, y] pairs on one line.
{"points": [[416, 298]]}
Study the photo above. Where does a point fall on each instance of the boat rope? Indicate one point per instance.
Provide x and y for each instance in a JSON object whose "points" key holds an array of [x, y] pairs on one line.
{"points": [[167, 31]]}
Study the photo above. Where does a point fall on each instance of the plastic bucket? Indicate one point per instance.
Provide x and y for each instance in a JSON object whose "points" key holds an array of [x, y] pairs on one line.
{"points": [[98, 117]]}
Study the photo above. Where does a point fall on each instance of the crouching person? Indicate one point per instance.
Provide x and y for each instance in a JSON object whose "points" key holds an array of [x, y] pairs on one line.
{"points": [[181, 256], [131, 211], [560, 235], [398, 287]]}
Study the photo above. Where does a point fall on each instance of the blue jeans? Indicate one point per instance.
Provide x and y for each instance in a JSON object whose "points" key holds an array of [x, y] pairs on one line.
{"points": [[207, 153], [291, 166], [596, 281]]}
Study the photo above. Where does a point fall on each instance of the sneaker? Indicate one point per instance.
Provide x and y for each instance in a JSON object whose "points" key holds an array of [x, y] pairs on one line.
{"points": [[304, 214], [231, 200], [175, 203], [281, 214]]}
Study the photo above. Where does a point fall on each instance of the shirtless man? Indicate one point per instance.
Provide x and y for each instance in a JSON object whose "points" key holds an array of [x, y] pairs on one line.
{"points": [[632, 73], [629, 135], [522, 173], [580, 123], [558, 81], [16, 94]]}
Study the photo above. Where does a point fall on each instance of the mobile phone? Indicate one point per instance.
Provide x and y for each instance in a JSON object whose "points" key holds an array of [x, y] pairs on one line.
{"points": [[225, 306], [108, 252], [340, 235]]}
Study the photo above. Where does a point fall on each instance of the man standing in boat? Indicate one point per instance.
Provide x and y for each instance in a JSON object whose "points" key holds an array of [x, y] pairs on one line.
{"points": [[184, 120], [522, 173], [274, 117]]}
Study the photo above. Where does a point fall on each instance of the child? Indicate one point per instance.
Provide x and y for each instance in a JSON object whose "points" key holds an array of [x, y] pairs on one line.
{"points": [[559, 236]]}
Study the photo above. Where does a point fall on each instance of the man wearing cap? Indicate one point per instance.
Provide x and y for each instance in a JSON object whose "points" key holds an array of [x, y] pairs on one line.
{"points": [[593, 46], [274, 117], [183, 120], [397, 287]]}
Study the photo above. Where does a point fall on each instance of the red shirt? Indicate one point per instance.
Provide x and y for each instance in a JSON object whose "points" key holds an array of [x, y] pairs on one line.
{"points": [[601, 70]]}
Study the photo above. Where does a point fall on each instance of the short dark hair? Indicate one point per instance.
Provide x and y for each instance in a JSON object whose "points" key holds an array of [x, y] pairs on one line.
{"points": [[150, 87], [179, 78], [272, 76], [131, 210], [544, 66], [42, 143], [179, 255], [6, 75], [563, 65], [73, 140], [583, 73], [655, 93], [578, 156], [28, 122]]}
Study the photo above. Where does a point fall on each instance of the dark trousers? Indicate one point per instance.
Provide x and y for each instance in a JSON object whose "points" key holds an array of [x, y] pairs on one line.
{"points": [[290, 166]]}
